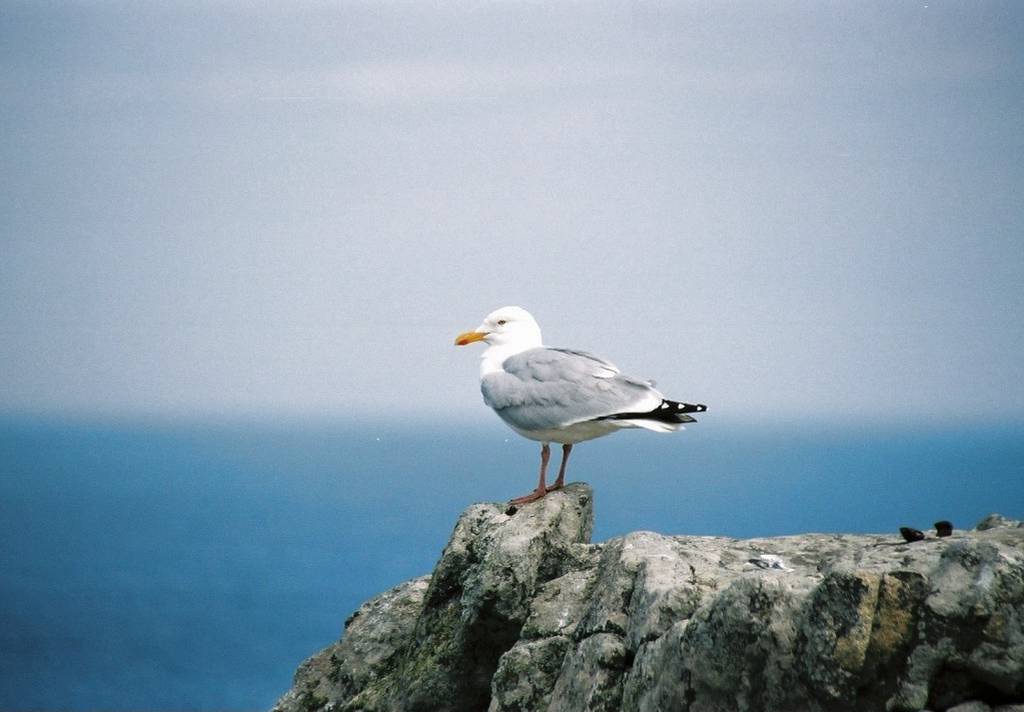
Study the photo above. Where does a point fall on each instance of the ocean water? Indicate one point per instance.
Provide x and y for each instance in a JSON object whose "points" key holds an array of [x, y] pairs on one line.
{"points": [[192, 567]]}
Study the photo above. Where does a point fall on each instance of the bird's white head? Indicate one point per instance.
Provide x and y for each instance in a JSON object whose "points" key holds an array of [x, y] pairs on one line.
{"points": [[511, 327]]}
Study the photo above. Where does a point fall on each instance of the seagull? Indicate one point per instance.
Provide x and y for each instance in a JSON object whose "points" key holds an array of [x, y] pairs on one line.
{"points": [[562, 395]]}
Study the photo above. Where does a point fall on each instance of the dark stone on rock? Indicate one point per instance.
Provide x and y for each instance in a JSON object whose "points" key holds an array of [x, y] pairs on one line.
{"points": [[910, 534], [522, 614], [943, 528]]}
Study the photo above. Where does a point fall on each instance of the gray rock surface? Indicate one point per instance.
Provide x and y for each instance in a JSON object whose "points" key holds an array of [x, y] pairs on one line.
{"points": [[994, 521], [522, 614]]}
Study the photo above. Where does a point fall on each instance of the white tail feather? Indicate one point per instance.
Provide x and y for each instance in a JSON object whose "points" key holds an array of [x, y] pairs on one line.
{"points": [[657, 426]]}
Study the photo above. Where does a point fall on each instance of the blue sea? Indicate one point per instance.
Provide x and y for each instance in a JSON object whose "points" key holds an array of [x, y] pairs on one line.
{"points": [[194, 566]]}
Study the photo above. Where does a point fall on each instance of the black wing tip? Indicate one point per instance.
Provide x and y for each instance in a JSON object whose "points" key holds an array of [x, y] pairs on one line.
{"points": [[677, 412], [667, 412], [684, 407]]}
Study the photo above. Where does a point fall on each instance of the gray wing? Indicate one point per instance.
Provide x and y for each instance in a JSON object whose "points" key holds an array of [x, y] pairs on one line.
{"points": [[547, 388]]}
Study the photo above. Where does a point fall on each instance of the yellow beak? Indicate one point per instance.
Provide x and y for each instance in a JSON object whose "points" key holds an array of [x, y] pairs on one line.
{"points": [[469, 337]]}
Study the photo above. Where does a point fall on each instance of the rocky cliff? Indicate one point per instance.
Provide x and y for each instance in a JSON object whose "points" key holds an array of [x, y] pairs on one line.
{"points": [[523, 614]]}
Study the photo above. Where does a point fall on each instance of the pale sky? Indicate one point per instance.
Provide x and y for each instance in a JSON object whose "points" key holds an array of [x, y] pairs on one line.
{"points": [[801, 210]]}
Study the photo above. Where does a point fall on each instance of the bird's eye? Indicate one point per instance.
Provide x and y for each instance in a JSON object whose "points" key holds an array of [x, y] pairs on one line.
{"points": [[501, 322]]}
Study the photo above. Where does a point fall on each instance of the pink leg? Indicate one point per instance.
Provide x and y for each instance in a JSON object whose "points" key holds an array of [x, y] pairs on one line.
{"points": [[560, 482], [545, 455]]}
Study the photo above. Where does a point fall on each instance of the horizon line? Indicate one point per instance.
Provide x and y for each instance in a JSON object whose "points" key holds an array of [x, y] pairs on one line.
{"points": [[465, 419]]}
